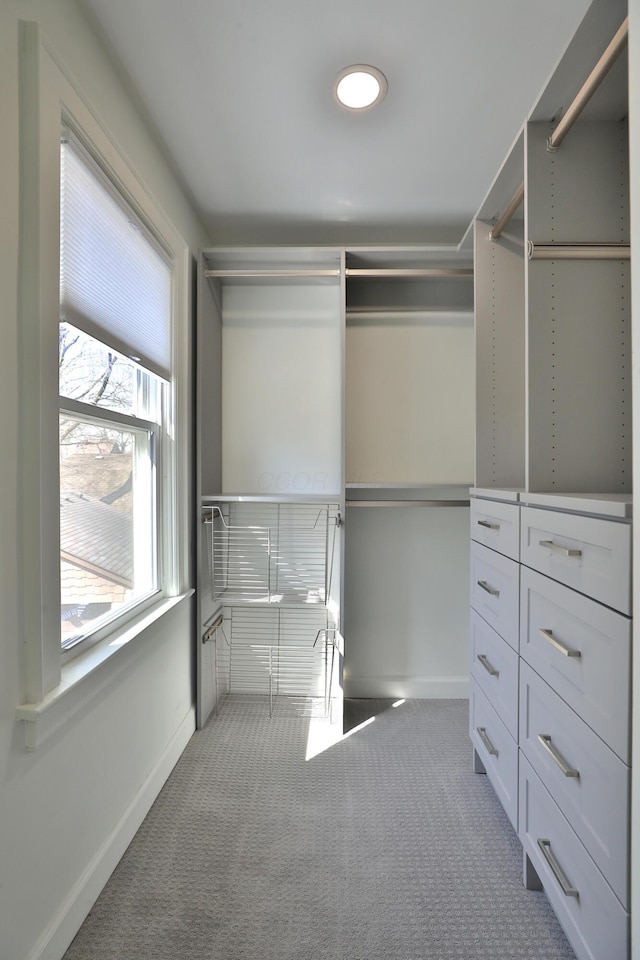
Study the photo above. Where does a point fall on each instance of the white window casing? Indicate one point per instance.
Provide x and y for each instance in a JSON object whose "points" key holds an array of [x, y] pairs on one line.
{"points": [[49, 102]]}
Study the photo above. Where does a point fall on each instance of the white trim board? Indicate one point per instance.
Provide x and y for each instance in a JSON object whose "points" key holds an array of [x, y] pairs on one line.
{"points": [[410, 688]]}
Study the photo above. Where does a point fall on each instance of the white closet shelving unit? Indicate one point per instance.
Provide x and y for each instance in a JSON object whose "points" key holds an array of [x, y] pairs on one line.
{"points": [[552, 290], [289, 391], [409, 457], [550, 706], [270, 439]]}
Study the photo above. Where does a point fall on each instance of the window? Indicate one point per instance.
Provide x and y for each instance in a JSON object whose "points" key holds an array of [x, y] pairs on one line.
{"points": [[114, 358], [104, 352]]}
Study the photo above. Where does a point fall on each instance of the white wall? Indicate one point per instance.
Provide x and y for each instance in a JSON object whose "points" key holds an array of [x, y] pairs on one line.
{"points": [[281, 390], [410, 400], [634, 177], [70, 807], [410, 414], [406, 620]]}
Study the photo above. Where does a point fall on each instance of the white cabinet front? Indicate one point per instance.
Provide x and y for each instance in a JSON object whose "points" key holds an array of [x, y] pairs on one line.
{"points": [[495, 589], [583, 650], [586, 553], [496, 525], [497, 750], [494, 667], [593, 918], [587, 780]]}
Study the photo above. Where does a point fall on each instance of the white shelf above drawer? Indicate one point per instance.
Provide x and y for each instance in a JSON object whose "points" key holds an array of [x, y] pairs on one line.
{"points": [[586, 553], [508, 494], [616, 506], [583, 650]]}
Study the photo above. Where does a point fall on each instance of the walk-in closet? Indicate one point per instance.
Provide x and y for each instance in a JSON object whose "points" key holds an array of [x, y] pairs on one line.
{"points": [[335, 657], [349, 402]]}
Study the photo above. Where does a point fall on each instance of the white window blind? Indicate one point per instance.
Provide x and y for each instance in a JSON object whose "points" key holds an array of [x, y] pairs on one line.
{"points": [[115, 285]]}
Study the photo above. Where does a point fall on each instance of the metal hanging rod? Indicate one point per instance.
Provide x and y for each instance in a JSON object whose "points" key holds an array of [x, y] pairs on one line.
{"points": [[260, 274], [590, 86], [211, 629], [407, 503], [578, 251], [408, 272], [381, 272], [510, 209], [392, 308]]}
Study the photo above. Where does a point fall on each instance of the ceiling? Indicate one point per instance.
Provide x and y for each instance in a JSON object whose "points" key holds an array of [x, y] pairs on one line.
{"points": [[240, 92]]}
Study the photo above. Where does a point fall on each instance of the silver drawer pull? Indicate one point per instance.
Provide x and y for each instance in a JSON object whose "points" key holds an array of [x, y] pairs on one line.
{"points": [[566, 651], [556, 869], [565, 551], [482, 733], [488, 524], [485, 586], [482, 657], [568, 771]]}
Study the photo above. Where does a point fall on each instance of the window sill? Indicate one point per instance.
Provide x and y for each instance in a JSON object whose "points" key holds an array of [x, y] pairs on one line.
{"points": [[80, 676]]}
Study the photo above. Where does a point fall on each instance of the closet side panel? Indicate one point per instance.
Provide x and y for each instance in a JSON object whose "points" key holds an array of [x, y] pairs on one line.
{"points": [[500, 356], [209, 386], [209, 477], [281, 390]]}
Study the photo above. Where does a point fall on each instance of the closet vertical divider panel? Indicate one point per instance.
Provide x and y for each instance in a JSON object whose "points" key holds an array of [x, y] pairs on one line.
{"points": [[578, 323], [500, 311], [208, 456], [500, 355]]}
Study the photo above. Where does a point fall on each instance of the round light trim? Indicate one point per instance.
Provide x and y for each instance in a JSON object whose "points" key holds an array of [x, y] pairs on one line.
{"points": [[360, 87]]}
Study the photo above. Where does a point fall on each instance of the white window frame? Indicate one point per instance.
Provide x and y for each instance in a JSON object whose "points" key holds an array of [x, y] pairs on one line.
{"points": [[149, 435], [49, 101]]}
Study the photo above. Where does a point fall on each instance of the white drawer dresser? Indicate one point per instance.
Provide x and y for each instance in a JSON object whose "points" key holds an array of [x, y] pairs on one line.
{"points": [[494, 578], [550, 704]]}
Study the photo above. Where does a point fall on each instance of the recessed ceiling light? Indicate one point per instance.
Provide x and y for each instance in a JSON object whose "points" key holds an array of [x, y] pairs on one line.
{"points": [[359, 87]]}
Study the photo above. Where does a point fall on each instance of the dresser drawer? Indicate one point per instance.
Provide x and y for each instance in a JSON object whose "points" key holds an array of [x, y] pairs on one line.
{"points": [[583, 650], [586, 553], [596, 924], [495, 591], [496, 525], [588, 781], [494, 667], [497, 750]]}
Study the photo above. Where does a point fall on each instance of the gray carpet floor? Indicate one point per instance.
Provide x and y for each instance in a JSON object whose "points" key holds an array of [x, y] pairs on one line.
{"points": [[384, 847]]}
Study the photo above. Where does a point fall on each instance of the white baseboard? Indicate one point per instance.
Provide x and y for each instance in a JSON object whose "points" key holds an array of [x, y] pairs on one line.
{"points": [[409, 688], [55, 940]]}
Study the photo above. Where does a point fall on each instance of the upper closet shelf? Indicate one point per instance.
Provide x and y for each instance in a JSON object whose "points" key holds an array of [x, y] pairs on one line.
{"points": [[408, 492], [264, 265], [410, 273], [210, 499]]}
